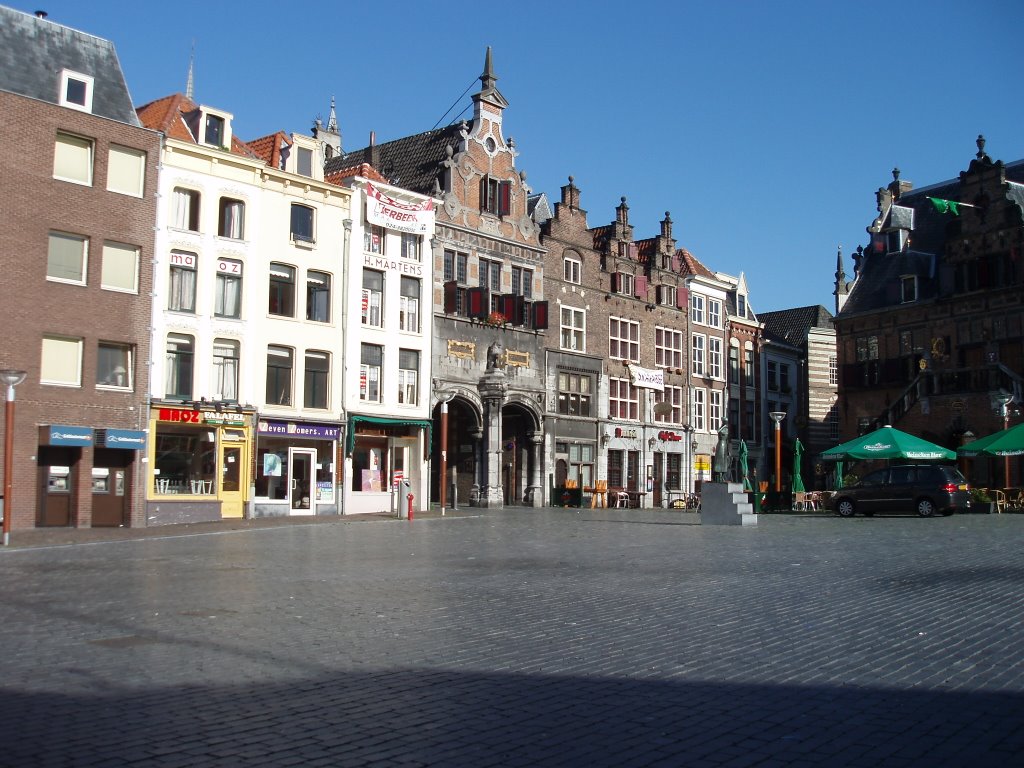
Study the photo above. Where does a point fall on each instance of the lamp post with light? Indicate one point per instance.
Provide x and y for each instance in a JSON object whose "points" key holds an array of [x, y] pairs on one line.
{"points": [[689, 444], [10, 378], [1005, 399], [777, 417]]}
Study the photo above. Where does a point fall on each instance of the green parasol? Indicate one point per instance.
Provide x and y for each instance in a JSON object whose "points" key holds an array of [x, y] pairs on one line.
{"points": [[798, 480], [888, 443], [1006, 442]]}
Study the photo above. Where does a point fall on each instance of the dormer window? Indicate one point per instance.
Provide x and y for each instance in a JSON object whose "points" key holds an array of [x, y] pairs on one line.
{"points": [[741, 305], [76, 91], [213, 130], [908, 288], [304, 162]]}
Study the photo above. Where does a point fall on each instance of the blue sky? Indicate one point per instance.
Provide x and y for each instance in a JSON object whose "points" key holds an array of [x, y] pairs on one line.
{"points": [[763, 127]]}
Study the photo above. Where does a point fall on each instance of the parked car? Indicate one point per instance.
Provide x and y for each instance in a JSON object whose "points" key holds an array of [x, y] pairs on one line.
{"points": [[926, 489]]}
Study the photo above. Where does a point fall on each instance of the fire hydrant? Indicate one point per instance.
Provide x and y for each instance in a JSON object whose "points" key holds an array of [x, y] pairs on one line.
{"points": [[409, 497]]}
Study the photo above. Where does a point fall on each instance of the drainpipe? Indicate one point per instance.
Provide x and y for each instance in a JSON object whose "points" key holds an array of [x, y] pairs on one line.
{"points": [[343, 432]]}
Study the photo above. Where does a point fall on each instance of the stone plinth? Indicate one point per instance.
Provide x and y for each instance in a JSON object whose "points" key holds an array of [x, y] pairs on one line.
{"points": [[725, 504]]}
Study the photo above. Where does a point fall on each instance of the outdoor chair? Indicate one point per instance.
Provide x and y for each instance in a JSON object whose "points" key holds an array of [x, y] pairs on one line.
{"points": [[1000, 500], [622, 498]]}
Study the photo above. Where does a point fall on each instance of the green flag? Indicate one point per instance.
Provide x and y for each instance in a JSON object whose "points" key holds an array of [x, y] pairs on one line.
{"points": [[945, 206]]}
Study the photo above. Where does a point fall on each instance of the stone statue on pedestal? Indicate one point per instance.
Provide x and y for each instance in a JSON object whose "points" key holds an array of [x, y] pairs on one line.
{"points": [[722, 461]]}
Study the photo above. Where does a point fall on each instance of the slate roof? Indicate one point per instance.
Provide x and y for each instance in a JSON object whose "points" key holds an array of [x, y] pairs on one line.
{"points": [[413, 162], [878, 280], [34, 51], [792, 325]]}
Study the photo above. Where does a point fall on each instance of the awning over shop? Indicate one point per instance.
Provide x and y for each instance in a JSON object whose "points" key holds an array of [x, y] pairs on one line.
{"points": [[353, 421]]}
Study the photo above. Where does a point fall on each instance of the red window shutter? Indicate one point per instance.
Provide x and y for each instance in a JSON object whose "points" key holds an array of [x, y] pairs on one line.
{"points": [[514, 305], [479, 302], [682, 297], [640, 287], [504, 198], [507, 302], [540, 315], [451, 297]]}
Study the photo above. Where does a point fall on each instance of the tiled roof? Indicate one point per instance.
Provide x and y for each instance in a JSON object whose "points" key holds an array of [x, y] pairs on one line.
{"points": [[268, 148], [167, 115], [413, 162], [691, 265], [365, 170], [34, 52], [792, 325]]}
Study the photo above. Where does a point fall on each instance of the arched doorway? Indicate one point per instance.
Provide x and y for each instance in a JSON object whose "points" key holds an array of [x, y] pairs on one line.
{"points": [[464, 434], [521, 454]]}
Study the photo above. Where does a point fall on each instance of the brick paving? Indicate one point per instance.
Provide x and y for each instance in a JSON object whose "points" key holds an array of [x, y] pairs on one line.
{"points": [[626, 638]]}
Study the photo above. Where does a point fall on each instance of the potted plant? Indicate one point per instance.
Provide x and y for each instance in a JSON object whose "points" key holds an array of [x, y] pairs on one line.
{"points": [[982, 501]]}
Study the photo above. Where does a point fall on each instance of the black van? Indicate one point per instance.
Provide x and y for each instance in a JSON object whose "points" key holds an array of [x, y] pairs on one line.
{"points": [[922, 488]]}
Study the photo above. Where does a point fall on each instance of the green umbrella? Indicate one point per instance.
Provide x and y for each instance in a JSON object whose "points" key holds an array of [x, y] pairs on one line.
{"points": [[888, 443], [839, 476], [744, 468], [798, 481], [1006, 442]]}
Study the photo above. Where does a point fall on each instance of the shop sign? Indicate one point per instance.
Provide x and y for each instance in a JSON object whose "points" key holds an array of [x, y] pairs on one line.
{"points": [[60, 434], [122, 438], [178, 415], [702, 462], [293, 429], [385, 211], [628, 433], [669, 436], [402, 267], [324, 492]]}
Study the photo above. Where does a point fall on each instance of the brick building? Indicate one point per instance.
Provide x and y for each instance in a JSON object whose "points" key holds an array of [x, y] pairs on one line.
{"points": [[77, 212], [930, 332]]}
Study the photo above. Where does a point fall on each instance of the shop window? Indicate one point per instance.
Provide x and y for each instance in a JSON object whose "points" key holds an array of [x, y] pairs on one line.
{"points": [[279, 375], [184, 460]]}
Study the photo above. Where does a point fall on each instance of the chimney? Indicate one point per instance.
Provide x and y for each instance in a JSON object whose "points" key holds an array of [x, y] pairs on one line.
{"points": [[41, 14]]}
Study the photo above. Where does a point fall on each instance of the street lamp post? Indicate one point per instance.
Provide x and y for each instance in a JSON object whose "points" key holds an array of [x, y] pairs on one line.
{"points": [[1005, 398], [10, 378], [777, 417], [443, 479], [688, 444]]}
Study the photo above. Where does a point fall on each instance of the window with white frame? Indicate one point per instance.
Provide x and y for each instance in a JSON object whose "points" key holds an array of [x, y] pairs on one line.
{"points": [[715, 410], [668, 347], [574, 394], [374, 239], [697, 348], [412, 246], [408, 376], [61, 361], [697, 308], [280, 363], [624, 283], [231, 219], [495, 196], [699, 409], [734, 362], [572, 270], [522, 282], [225, 368], [114, 365], [715, 357], [624, 339], [316, 383], [748, 365], [281, 299], [623, 400], [573, 329], [180, 352], [667, 295], [126, 170], [227, 298], [76, 90], [304, 161], [185, 214], [714, 313], [741, 305], [833, 425], [674, 397], [833, 369], [214, 131], [456, 266], [373, 298], [120, 269], [318, 296], [409, 305], [181, 289], [66, 258], [302, 224], [370, 361], [72, 159]]}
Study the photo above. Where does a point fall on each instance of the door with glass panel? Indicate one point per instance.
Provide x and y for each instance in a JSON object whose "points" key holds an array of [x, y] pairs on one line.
{"points": [[302, 481], [234, 478]]}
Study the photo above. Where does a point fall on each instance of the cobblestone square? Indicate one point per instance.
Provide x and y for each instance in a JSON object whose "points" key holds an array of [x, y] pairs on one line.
{"points": [[519, 638]]}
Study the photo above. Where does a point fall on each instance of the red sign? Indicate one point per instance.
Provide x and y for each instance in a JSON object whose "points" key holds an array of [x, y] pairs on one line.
{"points": [[179, 415]]}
